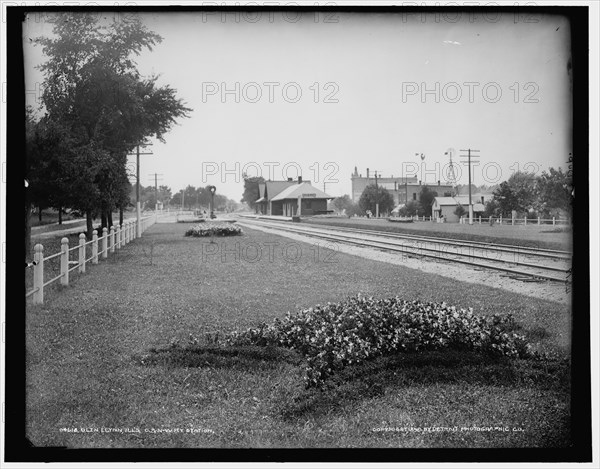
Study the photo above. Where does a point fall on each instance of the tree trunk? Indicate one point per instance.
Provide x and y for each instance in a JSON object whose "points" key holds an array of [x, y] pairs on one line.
{"points": [[121, 215], [110, 219], [27, 230], [60, 215], [40, 214], [103, 220], [89, 223]]}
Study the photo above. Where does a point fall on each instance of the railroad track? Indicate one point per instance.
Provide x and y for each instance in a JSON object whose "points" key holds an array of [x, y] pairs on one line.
{"points": [[522, 263]]}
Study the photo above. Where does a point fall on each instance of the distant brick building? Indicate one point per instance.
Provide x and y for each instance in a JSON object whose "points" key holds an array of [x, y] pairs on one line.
{"points": [[402, 189]]}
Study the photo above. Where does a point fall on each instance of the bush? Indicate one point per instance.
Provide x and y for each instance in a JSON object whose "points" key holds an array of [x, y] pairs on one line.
{"points": [[336, 335], [214, 229], [460, 211], [410, 209]]}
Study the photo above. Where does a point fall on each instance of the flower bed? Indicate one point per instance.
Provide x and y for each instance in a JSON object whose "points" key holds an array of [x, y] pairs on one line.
{"points": [[336, 335], [214, 229]]}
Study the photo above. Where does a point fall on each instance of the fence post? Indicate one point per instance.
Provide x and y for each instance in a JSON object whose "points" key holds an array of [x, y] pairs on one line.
{"points": [[112, 239], [125, 232], [81, 253], [500, 219], [64, 261], [119, 235], [104, 242], [132, 230], [525, 220], [553, 221], [38, 274], [539, 221], [94, 247], [480, 219]]}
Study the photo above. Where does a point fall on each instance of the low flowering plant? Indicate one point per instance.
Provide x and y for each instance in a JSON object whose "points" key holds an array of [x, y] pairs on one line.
{"points": [[214, 229], [336, 335]]}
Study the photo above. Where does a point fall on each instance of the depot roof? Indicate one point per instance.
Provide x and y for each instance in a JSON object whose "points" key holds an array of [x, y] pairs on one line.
{"points": [[305, 190]]}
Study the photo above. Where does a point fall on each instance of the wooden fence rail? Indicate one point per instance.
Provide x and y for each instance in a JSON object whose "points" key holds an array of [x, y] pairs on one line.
{"points": [[110, 241], [506, 221]]}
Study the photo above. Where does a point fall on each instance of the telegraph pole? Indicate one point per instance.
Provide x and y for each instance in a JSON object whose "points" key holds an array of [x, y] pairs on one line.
{"points": [[469, 156], [376, 197], [156, 177], [138, 209]]}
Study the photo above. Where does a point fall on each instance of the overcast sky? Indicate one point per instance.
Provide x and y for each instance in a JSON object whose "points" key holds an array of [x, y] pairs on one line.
{"points": [[497, 84]]}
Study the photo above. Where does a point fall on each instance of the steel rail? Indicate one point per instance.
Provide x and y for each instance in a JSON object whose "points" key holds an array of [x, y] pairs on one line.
{"points": [[540, 252], [469, 255], [496, 247], [435, 241], [403, 250]]}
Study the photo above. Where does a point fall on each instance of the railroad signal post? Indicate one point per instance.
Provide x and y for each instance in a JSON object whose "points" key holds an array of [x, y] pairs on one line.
{"points": [[212, 190]]}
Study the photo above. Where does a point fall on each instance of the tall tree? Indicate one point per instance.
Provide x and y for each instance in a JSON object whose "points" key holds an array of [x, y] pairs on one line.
{"points": [[93, 88], [251, 190], [518, 193], [554, 192], [342, 203], [48, 168], [426, 197], [373, 195]]}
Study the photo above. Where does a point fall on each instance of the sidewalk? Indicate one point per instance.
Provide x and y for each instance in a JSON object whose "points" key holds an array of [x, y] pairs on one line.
{"points": [[80, 228]]}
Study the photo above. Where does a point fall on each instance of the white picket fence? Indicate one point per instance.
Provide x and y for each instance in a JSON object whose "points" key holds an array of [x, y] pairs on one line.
{"points": [[519, 221], [110, 241]]}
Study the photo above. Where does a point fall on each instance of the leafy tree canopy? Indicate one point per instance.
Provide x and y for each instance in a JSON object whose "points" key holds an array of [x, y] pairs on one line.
{"points": [[251, 189], [376, 195]]}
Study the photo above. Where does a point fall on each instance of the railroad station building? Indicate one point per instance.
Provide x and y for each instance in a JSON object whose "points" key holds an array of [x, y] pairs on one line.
{"points": [[402, 189], [283, 198]]}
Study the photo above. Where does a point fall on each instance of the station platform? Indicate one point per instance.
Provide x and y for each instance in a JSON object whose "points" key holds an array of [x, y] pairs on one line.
{"points": [[267, 217]]}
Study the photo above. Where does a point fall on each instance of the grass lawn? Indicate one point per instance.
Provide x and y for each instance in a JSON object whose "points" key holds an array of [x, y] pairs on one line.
{"points": [[532, 235], [128, 345]]}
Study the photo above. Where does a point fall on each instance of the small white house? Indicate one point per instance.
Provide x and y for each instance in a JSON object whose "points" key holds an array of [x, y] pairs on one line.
{"points": [[446, 206]]}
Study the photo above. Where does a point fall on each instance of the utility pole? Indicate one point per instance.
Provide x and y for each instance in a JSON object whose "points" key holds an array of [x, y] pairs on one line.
{"points": [[376, 197], [138, 208], [156, 177], [469, 156]]}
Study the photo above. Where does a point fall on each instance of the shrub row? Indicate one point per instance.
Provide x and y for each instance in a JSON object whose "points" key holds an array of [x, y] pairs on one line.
{"points": [[214, 229], [336, 335]]}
